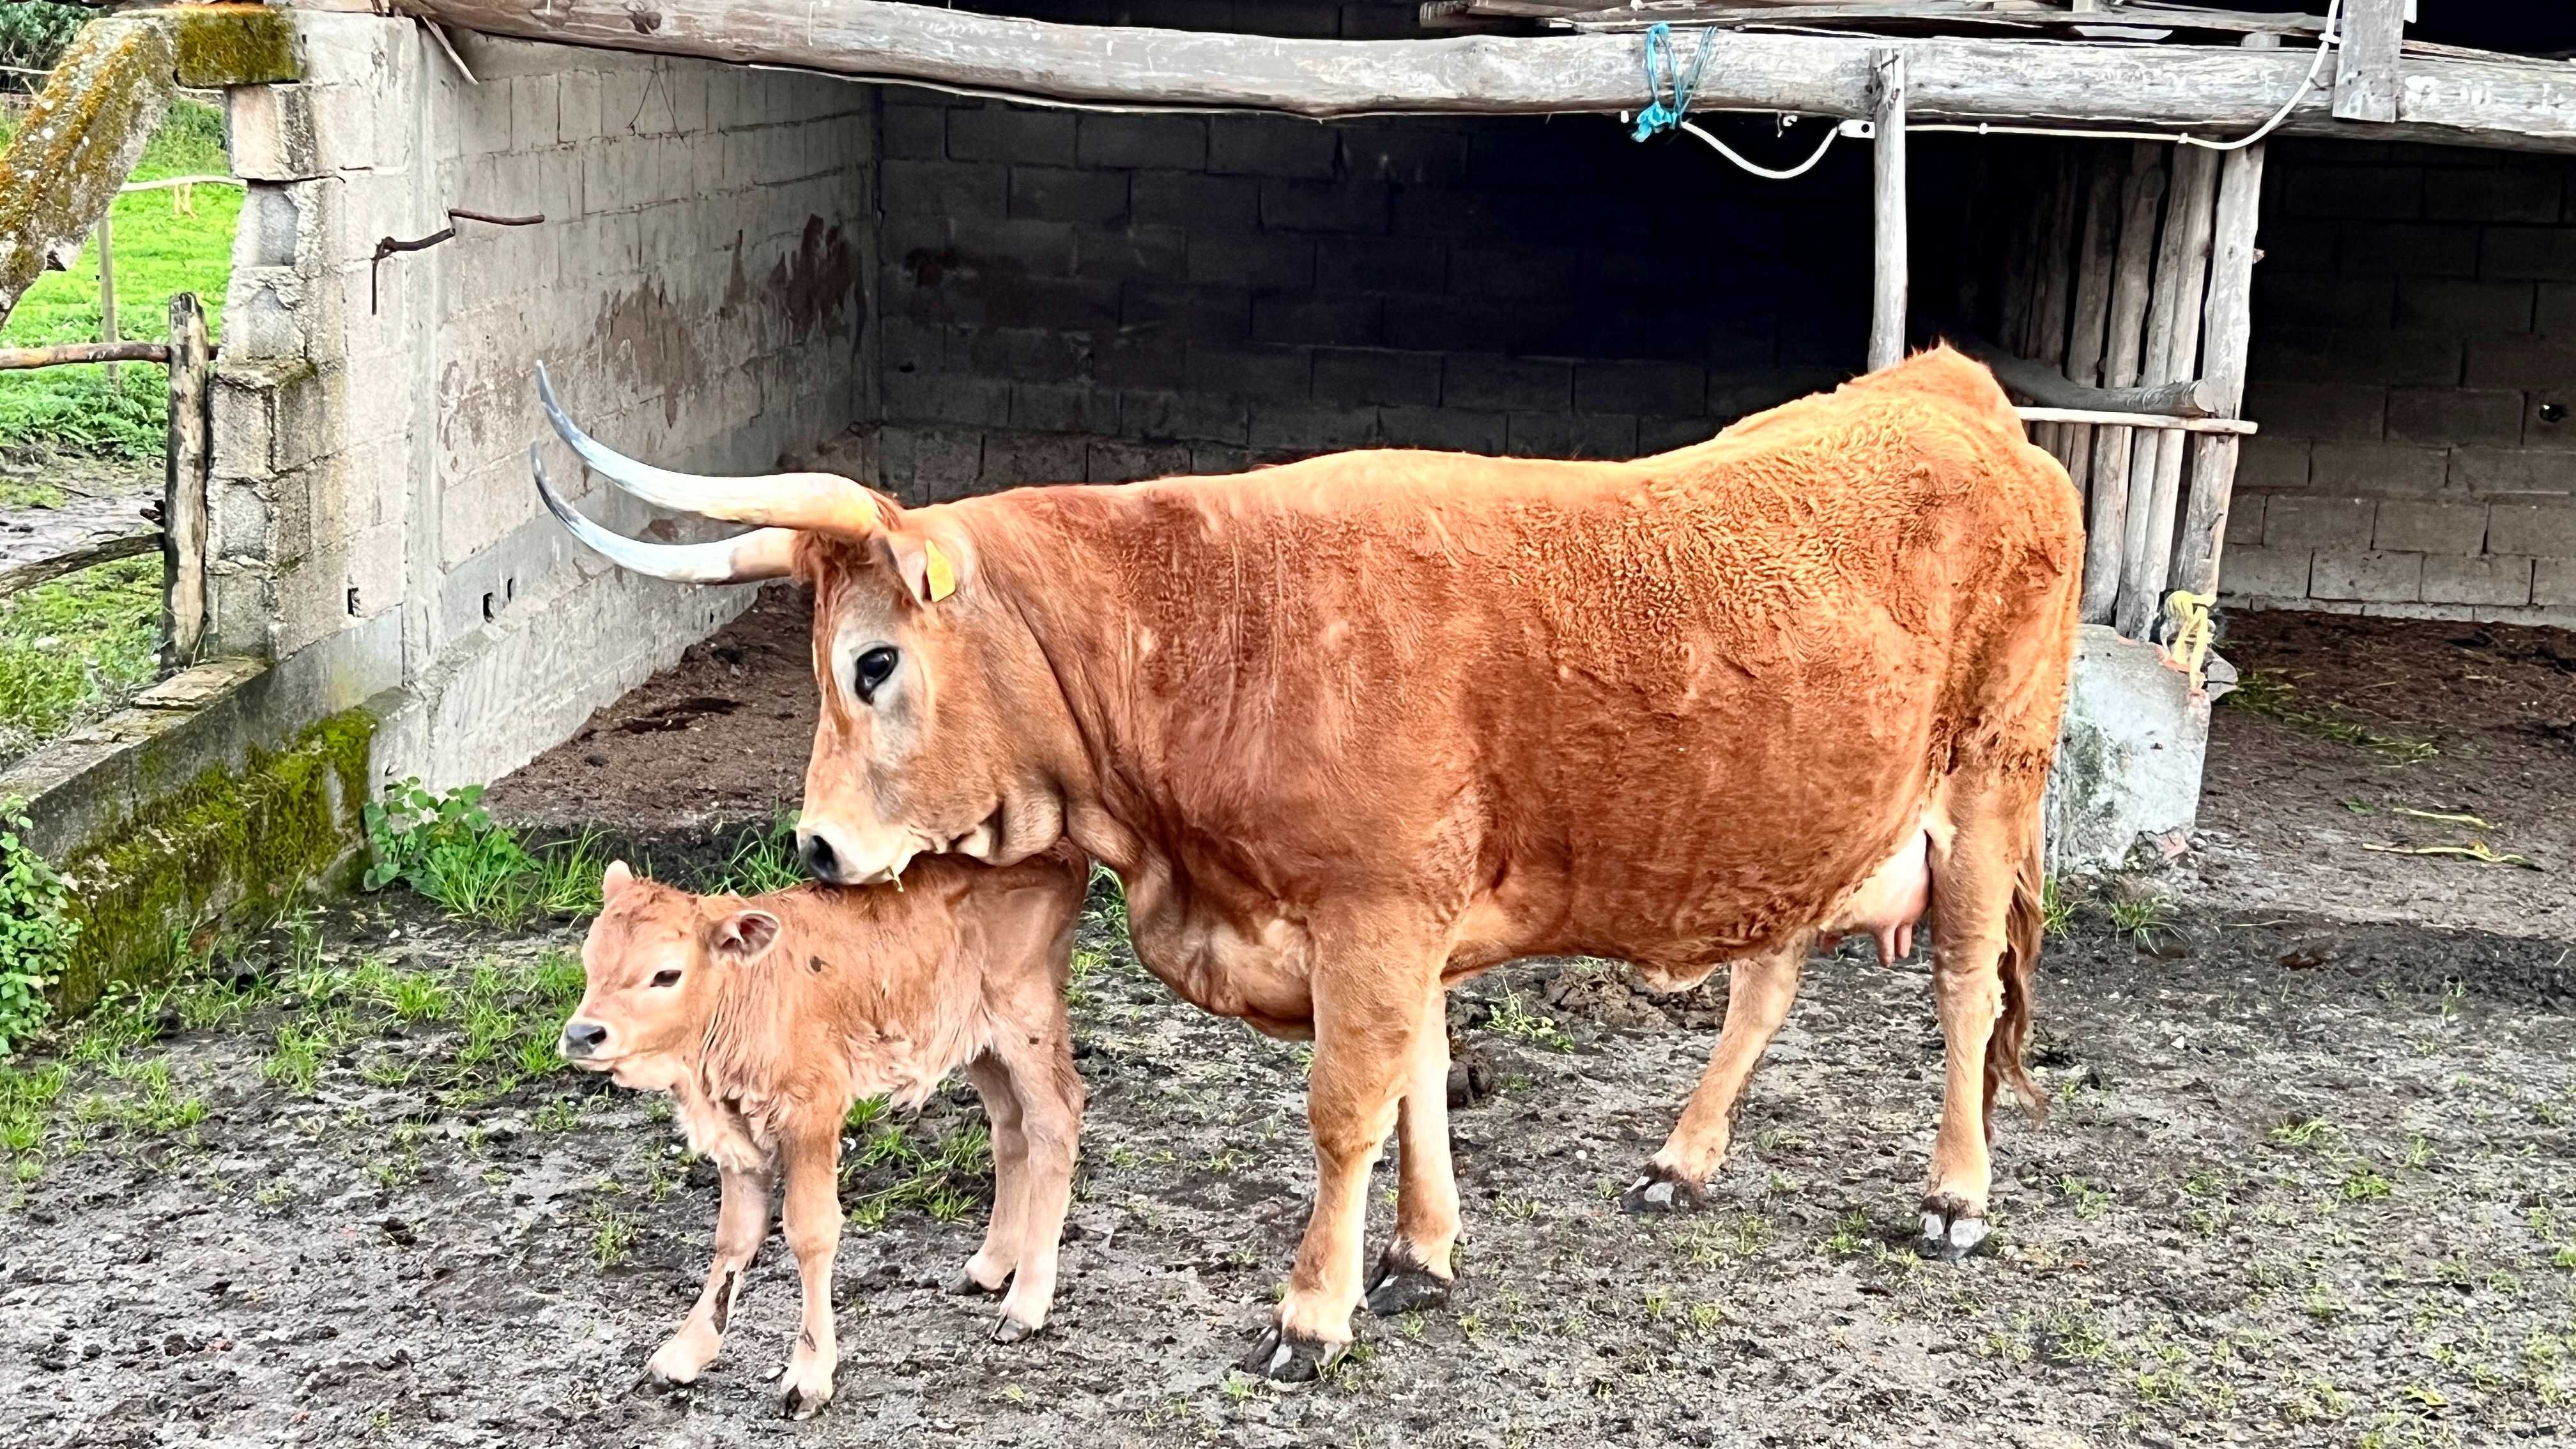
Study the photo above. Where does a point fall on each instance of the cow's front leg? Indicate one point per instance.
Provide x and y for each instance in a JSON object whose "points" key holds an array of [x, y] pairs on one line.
{"points": [[1369, 1006], [741, 1222], [1415, 1271], [811, 1218], [1758, 995]]}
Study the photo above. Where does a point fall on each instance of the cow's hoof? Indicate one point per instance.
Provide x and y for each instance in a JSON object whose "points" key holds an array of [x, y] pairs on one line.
{"points": [[1661, 1190], [1290, 1358], [1011, 1330], [1951, 1231], [1402, 1285], [675, 1365], [803, 1400], [964, 1284]]}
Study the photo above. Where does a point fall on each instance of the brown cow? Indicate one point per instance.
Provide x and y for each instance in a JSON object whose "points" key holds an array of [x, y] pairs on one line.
{"points": [[1354, 729], [766, 1018]]}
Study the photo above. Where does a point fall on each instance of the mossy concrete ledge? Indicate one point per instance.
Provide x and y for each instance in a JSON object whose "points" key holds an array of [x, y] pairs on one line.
{"points": [[177, 815]]}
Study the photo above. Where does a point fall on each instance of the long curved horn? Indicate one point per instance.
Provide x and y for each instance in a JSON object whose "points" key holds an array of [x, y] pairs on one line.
{"points": [[822, 502], [763, 553]]}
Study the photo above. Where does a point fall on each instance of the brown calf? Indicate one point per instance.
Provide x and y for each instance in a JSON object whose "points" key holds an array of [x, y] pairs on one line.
{"points": [[766, 1018]]}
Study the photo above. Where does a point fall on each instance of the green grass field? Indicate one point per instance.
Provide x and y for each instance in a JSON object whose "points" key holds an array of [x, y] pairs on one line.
{"points": [[160, 250]]}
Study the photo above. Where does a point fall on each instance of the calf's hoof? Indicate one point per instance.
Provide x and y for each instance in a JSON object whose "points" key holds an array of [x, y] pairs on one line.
{"points": [[964, 1284], [1290, 1358], [1661, 1189], [1012, 1330], [676, 1365], [1400, 1284], [805, 1395], [1951, 1229]]}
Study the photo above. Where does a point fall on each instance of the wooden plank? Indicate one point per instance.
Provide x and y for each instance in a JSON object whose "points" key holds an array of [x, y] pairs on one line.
{"points": [[2106, 525], [19, 359], [2051, 389], [2227, 427], [2096, 242], [2214, 90], [2230, 326], [1887, 202], [183, 491], [2173, 348], [2366, 62], [2056, 283], [107, 286], [19, 576]]}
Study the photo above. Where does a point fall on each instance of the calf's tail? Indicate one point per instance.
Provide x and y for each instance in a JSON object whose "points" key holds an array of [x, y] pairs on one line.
{"points": [[2023, 925]]}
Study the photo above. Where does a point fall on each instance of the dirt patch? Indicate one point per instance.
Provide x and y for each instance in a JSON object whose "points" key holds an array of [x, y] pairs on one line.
{"points": [[2348, 724]]}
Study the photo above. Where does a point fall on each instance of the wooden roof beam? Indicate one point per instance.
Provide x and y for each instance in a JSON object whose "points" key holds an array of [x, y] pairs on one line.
{"points": [[2211, 91]]}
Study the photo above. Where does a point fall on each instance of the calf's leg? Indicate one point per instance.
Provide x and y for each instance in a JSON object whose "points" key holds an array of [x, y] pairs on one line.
{"points": [[1758, 996], [993, 1263], [1415, 1271], [812, 1220], [741, 1222], [1050, 1095]]}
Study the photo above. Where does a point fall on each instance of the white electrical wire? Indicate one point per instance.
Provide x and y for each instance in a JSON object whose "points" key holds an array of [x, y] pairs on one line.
{"points": [[1801, 169]]}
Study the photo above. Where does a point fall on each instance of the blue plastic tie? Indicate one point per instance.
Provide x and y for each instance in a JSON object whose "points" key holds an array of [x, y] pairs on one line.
{"points": [[1658, 116]]}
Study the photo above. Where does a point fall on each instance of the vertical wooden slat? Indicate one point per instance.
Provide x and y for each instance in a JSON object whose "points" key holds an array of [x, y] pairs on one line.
{"points": [[107, 286], [183, 491], [2099, 238], [2182, 272], [1887, 189], [2106, 529], [2230, 327], [2366, 62], [2054, 285]]}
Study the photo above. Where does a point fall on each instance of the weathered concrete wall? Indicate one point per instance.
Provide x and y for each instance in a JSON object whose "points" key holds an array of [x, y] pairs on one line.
{"points": [[2128, 757], [2414, 371], [696, 290]]}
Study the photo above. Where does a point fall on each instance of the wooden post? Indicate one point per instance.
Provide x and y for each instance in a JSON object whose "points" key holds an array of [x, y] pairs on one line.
{"points": [[2366, 61], [2055, 281], [107, 285], [2173, 351], [2231, 327], [2107, 529], [2100, 237], [183, 493], [1887, 182]]}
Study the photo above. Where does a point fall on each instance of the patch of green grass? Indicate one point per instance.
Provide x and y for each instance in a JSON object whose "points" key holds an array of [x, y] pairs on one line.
{"points": [[2266, 692], [75, 649], [1513, 1017], [2056, 907], [943, 1179], [2142, 918], [449, 849], [1851, 1236], [36, 933], [166, 242], [763, 859], [612, 1235], [2305, 1132], [2364, 1184]]}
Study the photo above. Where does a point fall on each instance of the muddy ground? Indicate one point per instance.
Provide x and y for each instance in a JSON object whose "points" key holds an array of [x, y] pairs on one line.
{"points": [[2308, 1177]]}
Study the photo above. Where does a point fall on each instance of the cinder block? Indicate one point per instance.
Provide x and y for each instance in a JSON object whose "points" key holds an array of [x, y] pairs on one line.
{"points": [[2308, 521], [1056, 193], [1022, 354], [1190, 417], [914, 133], [1324, 206], [1520, 272], [2458, 304], [535, 123], [1322, 321], [1383, 264], [2245, 517], [1196, 203], [1571, 435], [2451, 415], [1169, 143], [945, 188], [2553, 582], [270, 132], [1450, 324], [2557, 310], [2375, 193], [2415, 358], [2271, 573], [2492, 579], [1409, 154], [1278, 146], [1254, 260], [1655, 389], [684, 86], [1011, 459], [1311, 427], [1131, 253], [2410, 525], [1662, 435], [2378, 468], [1376, 376], [2263, 461], [929, 398], [2543, 527], [947, 464], [2522, 362], [2523, 189], [2441, 249], [2383, 578], [2321, 299], [1200, 314], [1448, 430], [1064, 407], [2318, 409], [2540, 253], [1126, 462], [2514, 470], [1506, 384], [1267, 373], [1012, 133]]}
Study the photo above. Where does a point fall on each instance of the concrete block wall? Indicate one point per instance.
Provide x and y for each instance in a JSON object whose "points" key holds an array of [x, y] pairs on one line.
{"points": [[2414, 372], [697, 291], [1075, 296]]}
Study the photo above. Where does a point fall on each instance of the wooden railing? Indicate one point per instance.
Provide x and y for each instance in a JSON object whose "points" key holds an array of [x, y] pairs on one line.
{"points": [[181, 530]]}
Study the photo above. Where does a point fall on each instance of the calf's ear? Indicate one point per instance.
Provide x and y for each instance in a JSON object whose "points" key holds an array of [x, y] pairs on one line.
{"points": [[614, 880], [744, 936]]}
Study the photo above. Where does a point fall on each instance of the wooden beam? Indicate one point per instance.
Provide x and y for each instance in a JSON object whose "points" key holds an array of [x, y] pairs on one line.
{"points": [[2230, 326], [2050, 389], [2366, 63], [2227, 427], [20, 576], [2106, 526], [2210, 90], [1887, 200], [183, 487], [20, 359]]}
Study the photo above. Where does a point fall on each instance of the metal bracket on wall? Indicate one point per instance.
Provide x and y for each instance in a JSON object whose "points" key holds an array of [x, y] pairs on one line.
{"points": [[389, 246]]}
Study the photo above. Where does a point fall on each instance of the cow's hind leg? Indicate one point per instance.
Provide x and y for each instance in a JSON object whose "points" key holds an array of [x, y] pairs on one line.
{"points": [[991, 1267], [1986, 928], [1758, 995], [1415, 1271], [741, 1222]]}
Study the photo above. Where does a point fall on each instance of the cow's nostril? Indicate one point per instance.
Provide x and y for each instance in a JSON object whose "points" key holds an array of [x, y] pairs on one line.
{"points": [[820, 860], [581, 1038]]}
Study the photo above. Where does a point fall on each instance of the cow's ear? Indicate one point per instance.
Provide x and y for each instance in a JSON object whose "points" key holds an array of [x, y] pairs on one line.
{"points": [[617, 878], [744, 936], [931, 570]]}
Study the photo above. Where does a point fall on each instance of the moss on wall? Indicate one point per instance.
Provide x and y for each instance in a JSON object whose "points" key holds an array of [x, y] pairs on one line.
{"points": [[232, 45], [83, 136], [227, 845]]}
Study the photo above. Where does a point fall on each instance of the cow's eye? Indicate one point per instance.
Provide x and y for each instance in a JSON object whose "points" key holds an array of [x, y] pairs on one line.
{"points": [[874, 666], [666, 978]]}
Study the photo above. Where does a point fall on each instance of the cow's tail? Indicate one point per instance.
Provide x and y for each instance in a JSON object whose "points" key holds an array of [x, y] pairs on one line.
{"points": [[2024, 922]]}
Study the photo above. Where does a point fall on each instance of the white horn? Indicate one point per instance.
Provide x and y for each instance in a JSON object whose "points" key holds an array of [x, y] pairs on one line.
{"points": [[763, 553], [823, 502]]}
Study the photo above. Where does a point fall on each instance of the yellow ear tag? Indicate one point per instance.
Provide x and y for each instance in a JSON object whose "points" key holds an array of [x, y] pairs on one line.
{"points": [[937, 572]]}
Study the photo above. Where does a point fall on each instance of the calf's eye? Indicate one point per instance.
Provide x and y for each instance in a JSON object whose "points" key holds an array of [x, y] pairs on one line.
{"points": [[666, 978], [874, 666]]}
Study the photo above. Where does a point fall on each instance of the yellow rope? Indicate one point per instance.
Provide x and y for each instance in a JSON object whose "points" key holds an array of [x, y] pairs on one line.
{"points": [[2190, 615]]}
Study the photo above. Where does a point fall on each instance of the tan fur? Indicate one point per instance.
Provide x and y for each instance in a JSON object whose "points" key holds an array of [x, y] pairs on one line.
{"points": [[1355, 728], [765, 1042]]}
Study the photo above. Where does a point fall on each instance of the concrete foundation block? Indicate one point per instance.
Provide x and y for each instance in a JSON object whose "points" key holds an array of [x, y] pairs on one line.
{"points": [[2418, 526], [2491, 579], [2128, 755], [2255, 571], [2366, 576], [2541, 527]]}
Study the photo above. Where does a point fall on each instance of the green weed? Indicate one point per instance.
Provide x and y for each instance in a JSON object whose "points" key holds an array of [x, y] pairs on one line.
{"points": [[76, 649], [36, 933], [2142, 918], [1513, 1017], [2266, 692], [763, 860], [2056, 907]]}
